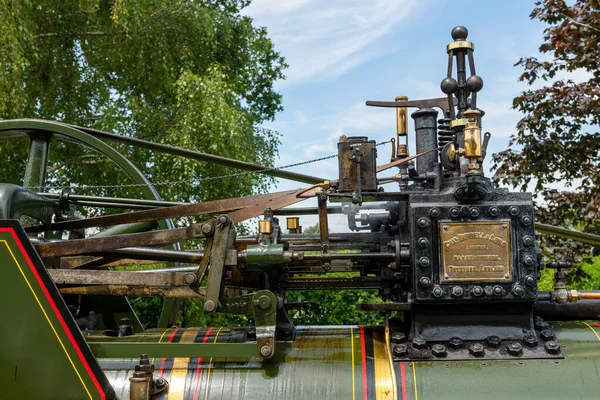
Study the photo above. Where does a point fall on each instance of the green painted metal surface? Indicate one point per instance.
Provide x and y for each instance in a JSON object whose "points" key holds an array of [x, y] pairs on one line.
{"points": [[134, 350]]}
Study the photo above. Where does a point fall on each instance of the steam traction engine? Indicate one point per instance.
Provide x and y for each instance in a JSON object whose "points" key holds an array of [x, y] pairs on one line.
{"points": [[455, 260]]}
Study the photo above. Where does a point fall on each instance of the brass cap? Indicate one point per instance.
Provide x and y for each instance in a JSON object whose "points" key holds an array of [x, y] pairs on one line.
{"points": [[292, 222], [265, 227], [402, 151]]}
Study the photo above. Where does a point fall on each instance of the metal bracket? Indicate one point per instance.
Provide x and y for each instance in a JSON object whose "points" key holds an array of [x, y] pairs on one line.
{"points": [[224, 238]]}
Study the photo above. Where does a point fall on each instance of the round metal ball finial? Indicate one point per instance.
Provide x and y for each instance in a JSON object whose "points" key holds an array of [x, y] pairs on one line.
{"points": [[449, 85], [474, 83], [459, 33]]}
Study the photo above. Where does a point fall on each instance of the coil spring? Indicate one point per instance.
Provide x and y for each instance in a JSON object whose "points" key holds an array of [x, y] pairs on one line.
{"points": [[445, 134]]}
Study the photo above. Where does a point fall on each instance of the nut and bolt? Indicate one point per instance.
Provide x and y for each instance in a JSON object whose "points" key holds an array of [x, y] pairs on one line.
{"points": [[529, 260], [400, 350], [493, 212], [439, 350], [474, 212], [223, 220], [189, 278], [207, 228], [209, 306], [529, 280], [518, 290], [437, 291], [541, 325], [493, 341], [530, 340], [423, 242], [514, 211], [398, 337], [455, 343], [423, 222], [515, 349], [525, 220], [160, 381], [266, 351], [419, 343], [457, 291], [547, 334], [552, 347], [424, 281], [434, 212], [527, 240], [477, 291], [424, 262], [454, 212], [476, 350], [498, 291], [263, 302]]}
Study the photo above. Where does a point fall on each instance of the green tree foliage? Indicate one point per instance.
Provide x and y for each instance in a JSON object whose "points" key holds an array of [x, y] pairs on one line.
{"points": [[194, 74], [557, 145]]}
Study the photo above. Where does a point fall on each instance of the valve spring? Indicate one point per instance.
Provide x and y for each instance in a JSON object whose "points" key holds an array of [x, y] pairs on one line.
{"points": [[445, 134]]}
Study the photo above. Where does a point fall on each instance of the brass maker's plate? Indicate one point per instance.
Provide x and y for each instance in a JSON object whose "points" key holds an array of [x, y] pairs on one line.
{"points": [[475, 251]]}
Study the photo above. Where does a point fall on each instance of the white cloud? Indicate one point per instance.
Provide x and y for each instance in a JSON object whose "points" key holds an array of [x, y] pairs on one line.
{"points": [[321, 40]]}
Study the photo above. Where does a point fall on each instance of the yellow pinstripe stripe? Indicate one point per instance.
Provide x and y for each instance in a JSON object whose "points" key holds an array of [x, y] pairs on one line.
{"points": [[209, 368], [180, 368], [160, 340], [352, 353], [47, 318], [384, 381], [414, 368], [593, 330]]}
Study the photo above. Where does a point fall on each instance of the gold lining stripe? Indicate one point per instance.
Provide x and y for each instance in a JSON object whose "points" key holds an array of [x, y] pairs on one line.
{"points": [[160, 340], [180, 368], [414, 368], [460, 44], [47, 318], [209, 367], [593, 330], [385, 384], [352, 353]]}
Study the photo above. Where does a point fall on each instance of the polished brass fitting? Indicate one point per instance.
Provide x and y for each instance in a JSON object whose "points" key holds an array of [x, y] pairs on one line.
{"points": [[472, 139], [265, 227]]}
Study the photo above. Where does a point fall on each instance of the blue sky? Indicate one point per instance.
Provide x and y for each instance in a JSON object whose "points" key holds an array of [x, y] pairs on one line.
{"points": [[342, 53]]}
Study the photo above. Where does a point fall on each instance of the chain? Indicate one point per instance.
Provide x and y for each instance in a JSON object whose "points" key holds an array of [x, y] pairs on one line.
{"points": [[196, 180]]}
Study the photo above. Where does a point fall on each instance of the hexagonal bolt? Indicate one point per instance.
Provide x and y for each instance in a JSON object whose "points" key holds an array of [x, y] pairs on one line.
{"points": [[494, 212], [493, 341], [144, 360], [528, 260], [424, 281], [455, 343], [189, 278], [514, 211], [527, 240], [398, 337], [207, 228], [530, 340], [477, 291], [160, 381], [400, 350], [529, 280], [437, 291], [209, 306], [474, 212], [515, 349], [541, 325], [424, 262], [454, 212], [439, 350], [552, 347], [423, 222], [434, 212], [457, 291], [525, 220], [266, 351], [423, 242], [419, 343], [498, 291], [547, 334], [476, 350], [518, 290]]}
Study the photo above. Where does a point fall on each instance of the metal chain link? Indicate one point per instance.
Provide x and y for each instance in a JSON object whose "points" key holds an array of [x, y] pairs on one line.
{"points": [[195, 180]]}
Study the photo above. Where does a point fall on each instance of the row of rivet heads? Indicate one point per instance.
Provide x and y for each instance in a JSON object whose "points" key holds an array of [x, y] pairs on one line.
{"points": [[493, 343], [473, 212]]}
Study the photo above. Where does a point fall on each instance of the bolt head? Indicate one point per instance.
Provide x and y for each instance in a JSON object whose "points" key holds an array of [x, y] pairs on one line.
{"points": [[547, 334], [529, 280], [474, 212], [527, 240], [423, 222], [530, 340], [424, 281], [455, 343], [529, 260], [437, 292], [476, 350], [498, 291], [398, 337], [160, 381], [439, 350], [525, 220], [223, 220], [514, 211], [423, 242], [541, 325], [493, 341], [518, 290], [189, 278], [515, 349], [209, 306], [206, 228], [424, 262], [457, 291], [266, 351], [263, 302], [552, 347], [454, 212], [477, 291], [400, 350], [419, 343], [493, 212], [434, 212]]}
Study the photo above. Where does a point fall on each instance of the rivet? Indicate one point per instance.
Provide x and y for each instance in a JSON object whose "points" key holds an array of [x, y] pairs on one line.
{"points": [[434, 212], [423, 242], [454, 212], [423, 222], [514, 211], [498, 291], [474, 212], [477, 291], [529, 280], [424, 281], [518, 290], [493, 212], [525, 220], [424, 262]]}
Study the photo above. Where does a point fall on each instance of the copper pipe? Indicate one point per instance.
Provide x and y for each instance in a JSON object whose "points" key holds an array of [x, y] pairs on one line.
{"points": [[585, 294]]}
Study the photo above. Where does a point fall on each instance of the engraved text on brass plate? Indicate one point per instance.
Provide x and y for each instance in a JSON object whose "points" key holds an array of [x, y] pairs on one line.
{"points": [[475, 251]]}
